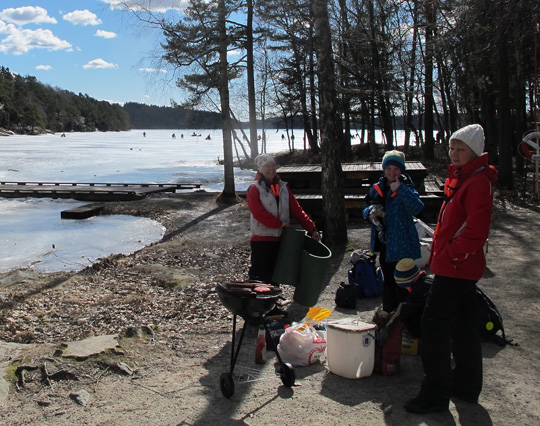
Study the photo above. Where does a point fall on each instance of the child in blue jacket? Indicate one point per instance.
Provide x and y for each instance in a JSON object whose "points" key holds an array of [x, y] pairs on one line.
{"points": [[392, 204]]}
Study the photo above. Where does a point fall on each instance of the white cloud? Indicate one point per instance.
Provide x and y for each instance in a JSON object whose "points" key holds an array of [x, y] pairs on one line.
{"points": [[7, 28], [160, 6], [26, 15], [21, 41], [82, 17], [105, 34], [99, 63], [152, 70], [44, 67]]}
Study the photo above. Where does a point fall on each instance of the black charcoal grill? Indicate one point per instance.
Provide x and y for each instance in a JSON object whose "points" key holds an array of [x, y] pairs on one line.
{"points": [[252, 301]]}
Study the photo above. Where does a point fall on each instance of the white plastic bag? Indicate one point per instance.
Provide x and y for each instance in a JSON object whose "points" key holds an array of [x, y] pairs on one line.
{"points": [[301, 345]]}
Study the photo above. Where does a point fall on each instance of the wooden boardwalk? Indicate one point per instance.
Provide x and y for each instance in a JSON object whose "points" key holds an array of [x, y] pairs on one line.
{"points": [[88, 191]]}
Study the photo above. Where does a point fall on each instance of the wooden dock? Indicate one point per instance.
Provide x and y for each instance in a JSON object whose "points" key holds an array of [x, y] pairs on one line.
{"points": [[89, 191], [82, 212]]}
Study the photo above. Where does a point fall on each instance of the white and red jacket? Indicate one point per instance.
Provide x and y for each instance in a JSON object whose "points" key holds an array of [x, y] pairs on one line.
{"points": [[270, 207], [457, 250]]}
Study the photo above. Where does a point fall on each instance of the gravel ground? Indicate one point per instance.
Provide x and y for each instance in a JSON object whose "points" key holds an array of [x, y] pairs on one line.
{"points": [[167, 290]]}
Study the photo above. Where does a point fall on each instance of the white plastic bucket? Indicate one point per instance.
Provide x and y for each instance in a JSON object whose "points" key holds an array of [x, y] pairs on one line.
{"points": [[350, 349]]}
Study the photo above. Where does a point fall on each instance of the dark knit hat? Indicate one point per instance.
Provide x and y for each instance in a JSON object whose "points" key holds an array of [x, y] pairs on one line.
{"points": [[394, 158], [406, 272]]}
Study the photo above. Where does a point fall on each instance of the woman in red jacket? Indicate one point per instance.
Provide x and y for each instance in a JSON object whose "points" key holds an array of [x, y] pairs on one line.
{"points": [[458, 262], [272, 205]]}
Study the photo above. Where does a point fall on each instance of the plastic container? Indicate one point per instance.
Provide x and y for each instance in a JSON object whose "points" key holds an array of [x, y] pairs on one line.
{"points": [[350, 350], [313, 264], [302, 263], [260, 346], [409, 346], [288, 260]]}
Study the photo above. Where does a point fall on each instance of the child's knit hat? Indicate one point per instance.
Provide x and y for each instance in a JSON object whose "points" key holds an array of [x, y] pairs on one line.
{"points": [[406, 272], [394, 158], [472, 136]]}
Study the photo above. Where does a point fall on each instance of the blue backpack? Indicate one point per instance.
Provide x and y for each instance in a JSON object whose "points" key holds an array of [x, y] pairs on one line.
{"points": [[363, 274]]}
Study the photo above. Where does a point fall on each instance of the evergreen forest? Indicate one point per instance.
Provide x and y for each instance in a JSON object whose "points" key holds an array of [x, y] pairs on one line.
{"points": [[30, 107], [158, 117]]}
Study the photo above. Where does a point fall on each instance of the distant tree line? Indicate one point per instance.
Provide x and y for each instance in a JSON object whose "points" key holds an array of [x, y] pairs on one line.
{"points": [[30, 107], [158, 117]]}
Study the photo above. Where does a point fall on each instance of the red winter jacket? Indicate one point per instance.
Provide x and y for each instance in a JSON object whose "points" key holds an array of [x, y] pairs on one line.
{"points": [[463, 227]]}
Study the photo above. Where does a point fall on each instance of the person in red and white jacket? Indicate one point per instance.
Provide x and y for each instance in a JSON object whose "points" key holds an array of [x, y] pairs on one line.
{"points": [[272, 205], [458, 262]]}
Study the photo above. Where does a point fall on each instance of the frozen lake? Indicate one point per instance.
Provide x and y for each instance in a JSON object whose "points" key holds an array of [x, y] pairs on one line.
{"points": [[32, 234]]}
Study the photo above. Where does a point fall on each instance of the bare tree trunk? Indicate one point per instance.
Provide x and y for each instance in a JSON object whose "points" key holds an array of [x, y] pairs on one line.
{"points": [[335, 229], [228, 196], [429, 148], [372, 84], [313, 98], [251, 82], [345, 104], [506, 177], [409, 90]]}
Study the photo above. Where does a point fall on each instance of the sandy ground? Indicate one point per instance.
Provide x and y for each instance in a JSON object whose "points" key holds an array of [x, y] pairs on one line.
{"points": [[177, 370]]}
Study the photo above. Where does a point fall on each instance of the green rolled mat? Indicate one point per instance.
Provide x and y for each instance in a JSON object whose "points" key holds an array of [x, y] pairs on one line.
{"points": [[313, 263], [289, 254]]}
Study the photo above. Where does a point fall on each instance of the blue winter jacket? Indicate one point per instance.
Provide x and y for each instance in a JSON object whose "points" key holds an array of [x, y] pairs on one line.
{"points": [[400, 231]]}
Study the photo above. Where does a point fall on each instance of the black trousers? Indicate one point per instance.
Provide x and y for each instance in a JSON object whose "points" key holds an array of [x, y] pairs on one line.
{"points": [[449, 328], [263, 260], [390, 291]]}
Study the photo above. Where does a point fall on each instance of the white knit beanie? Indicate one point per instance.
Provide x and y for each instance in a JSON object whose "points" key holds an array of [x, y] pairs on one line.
{"points": [[263, 159], [472, 136]]}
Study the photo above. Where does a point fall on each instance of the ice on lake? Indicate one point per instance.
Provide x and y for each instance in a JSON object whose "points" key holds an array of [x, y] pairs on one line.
{"points": [[32, 234], [30, 227]]}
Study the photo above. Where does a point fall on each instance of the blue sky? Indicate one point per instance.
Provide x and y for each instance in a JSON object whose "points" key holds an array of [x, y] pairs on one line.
{"points": [[94, 47]]}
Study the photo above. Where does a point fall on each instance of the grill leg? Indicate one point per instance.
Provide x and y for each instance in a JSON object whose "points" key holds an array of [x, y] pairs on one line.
{"points": [[236, 350]]}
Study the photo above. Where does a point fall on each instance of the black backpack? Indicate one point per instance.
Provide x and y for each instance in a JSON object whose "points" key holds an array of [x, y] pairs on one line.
{"points": [[490, 320], [346, 296]]}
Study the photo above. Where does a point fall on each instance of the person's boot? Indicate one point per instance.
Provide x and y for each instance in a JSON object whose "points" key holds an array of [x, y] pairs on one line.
{"points": [[421, 405]]}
